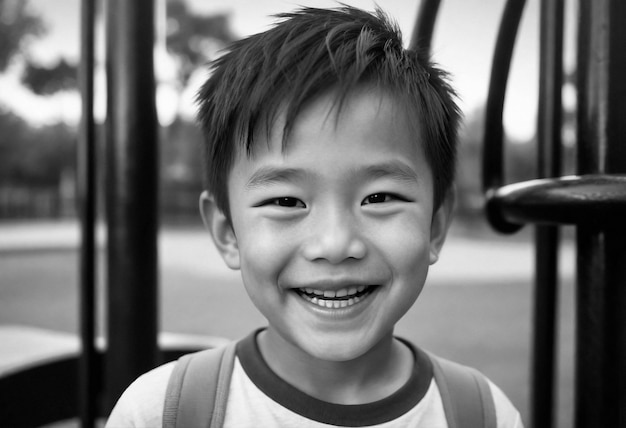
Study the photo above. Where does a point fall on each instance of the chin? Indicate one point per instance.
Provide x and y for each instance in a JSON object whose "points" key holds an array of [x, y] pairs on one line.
{"points": [[335, 350]]}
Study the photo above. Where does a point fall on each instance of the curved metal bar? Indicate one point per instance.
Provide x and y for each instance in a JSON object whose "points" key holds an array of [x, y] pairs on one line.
{"points": [[37, 381], [493, 158], [425, 25], [592, 200]]}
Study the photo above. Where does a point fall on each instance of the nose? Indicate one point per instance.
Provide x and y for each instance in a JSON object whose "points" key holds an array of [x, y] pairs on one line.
{"points": [[334, 237]]}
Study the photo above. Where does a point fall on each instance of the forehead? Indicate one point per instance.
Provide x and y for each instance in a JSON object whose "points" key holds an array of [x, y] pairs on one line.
{"points": [[333, 136], [365, 106]]}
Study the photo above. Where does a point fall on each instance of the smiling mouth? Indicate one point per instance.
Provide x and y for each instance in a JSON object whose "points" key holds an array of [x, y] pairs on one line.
{"points": [[336, 299]]}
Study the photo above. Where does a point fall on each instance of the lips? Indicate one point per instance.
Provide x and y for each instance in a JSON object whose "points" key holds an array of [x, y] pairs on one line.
{"points": [[335, 299]]}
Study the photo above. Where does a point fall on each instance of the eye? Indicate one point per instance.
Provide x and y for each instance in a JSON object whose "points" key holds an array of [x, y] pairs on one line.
{"points": [[287, 202], [377, 198]]}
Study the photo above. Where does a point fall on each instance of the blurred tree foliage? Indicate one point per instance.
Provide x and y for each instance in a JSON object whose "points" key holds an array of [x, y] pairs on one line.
{"points": [[18, 25], [35, 156], [44, 80], [44, 156], [192, 39]]}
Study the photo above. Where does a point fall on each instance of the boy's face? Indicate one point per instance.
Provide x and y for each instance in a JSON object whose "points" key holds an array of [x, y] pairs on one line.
{"points": [[334, 234]]}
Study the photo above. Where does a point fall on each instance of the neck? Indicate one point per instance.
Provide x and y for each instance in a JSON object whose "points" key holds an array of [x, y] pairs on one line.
{"points": [[370, 377]]}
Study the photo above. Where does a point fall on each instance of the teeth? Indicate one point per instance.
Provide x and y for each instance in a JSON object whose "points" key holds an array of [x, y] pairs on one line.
{"points": [[325, 299], [331, 294]]}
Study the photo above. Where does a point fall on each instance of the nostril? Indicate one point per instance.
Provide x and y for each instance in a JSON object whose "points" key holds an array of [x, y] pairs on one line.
{"points": [[335, 248], [357, 249]]}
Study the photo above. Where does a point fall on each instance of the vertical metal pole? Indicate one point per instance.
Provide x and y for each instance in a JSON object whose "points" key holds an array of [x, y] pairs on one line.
{"points": [[615, 234], [601, 296], [547, 237], [132, 153], [86, 186]]}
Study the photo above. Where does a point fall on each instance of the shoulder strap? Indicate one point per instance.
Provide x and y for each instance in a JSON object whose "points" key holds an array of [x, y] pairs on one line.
{"points": [[198, 389], [466, 395]]}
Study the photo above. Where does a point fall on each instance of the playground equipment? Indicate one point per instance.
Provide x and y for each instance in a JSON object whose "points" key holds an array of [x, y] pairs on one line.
{"points": [[594, 201]]}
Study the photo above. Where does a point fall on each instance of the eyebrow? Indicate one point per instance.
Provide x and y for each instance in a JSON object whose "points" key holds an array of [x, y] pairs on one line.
{"points": [[269, 175], [395, 170]]}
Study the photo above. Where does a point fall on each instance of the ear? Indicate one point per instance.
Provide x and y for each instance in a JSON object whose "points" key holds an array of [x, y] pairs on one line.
{"points": [[441, 223], [221, 230]]}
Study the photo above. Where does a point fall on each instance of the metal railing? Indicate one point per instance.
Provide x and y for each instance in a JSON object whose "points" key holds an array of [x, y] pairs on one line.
{"points": [[593, 201]]}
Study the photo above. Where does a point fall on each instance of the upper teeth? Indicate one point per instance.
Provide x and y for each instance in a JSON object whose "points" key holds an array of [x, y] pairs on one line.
{"points": [[349, 291]]}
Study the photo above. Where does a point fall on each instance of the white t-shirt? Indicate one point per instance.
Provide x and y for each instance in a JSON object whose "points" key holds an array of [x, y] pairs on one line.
{"points": [[258, 397]]}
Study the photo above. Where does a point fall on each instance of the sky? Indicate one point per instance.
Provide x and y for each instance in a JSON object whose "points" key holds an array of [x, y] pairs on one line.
{"points": [[463, 44]]}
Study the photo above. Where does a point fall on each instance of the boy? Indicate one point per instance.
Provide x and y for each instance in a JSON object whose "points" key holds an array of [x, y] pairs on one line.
{"points": [[330, 152]]}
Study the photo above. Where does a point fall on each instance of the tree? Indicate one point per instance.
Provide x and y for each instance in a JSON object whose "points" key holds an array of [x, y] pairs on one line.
{"points": [[34, 156], [192, 39], [43, 80], [17, 27]]}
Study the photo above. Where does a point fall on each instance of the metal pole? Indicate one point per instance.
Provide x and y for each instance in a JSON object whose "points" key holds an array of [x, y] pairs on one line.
{"points": [[616, 233], [601, 272], [493, 151], [86, 187], [547, 237], [425, 25], [132, 153]]}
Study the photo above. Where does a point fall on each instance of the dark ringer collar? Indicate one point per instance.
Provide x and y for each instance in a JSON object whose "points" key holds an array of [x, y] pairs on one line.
{"points": [[356, 415]]}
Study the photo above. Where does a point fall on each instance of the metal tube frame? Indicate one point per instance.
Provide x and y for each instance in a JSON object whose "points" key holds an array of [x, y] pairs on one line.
{"points": [[549, 123], [87, 197], [132, 188], [601, 248], [422, 36]]}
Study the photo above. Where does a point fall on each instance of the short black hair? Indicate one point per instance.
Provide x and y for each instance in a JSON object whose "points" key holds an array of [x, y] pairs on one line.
{"points": [[310, 51]]}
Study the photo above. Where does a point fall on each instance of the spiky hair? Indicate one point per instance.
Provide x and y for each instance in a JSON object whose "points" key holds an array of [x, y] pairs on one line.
{"points": [[306, 53]]}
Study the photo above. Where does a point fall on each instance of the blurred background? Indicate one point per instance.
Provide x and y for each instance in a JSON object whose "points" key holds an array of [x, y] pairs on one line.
{"points": [[476, 307]]}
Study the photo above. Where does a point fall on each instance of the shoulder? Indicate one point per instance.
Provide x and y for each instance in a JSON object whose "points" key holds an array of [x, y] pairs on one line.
{"points": [[142, 402], [458, 382], [507, 415]]}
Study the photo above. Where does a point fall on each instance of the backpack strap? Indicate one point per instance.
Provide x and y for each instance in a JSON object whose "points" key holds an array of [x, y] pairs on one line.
{"points": [[466, 395], [198, 389]]}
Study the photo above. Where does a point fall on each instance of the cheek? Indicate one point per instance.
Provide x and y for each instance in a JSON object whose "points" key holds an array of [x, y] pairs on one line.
{"points": [[406, 245], [264, 252]]}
